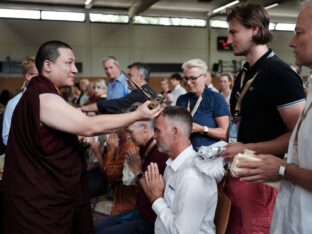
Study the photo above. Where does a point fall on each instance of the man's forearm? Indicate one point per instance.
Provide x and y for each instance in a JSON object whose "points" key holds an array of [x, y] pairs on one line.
{"points": [[299, 176], [277, 146]]}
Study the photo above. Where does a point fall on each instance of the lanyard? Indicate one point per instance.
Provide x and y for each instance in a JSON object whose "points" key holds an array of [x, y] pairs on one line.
{"points": [[245, 89], [200, 98], [303, 116], [248, 84]]}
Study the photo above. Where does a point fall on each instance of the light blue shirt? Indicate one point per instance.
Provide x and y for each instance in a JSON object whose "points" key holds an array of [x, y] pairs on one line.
{"points": [[8, 117], [118, 88]]}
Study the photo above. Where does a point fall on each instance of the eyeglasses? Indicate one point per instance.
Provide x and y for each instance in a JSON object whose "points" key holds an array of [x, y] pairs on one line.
{"points": [[97, 87], [192, 78]]}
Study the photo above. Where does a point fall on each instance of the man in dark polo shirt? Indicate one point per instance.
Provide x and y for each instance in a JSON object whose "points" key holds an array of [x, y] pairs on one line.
{"points": [[266, 102]]}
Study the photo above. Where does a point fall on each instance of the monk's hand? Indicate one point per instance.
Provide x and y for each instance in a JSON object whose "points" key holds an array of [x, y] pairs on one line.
{"points": [[144, 112]]}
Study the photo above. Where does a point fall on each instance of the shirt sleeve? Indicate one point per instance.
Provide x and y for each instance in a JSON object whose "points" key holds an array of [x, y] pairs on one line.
{"points": [[189, 208], [220, 107], [288, 86], [7, 122], [118, 105]]}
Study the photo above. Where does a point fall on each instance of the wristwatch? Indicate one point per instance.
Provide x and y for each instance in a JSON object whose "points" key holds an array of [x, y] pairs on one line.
{"points": [[281, 170], [138, 177], [206, 129]]}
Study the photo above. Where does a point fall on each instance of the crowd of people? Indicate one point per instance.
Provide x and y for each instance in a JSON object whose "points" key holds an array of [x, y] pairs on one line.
{"points": [[67, 142]]}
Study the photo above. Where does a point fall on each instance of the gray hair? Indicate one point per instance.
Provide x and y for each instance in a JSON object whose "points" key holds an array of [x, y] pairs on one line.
{"points": [[180, 117], [115, 61]]}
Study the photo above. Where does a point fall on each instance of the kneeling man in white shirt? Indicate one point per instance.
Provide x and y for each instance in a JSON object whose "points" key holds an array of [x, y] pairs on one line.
{"points": [[185, 199]]}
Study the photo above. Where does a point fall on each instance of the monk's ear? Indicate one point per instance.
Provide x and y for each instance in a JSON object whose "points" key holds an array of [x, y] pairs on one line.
{"points": [[47, 65]]}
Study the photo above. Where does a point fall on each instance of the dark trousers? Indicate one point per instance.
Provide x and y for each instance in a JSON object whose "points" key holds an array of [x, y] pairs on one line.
{"points": [[126, 223]]}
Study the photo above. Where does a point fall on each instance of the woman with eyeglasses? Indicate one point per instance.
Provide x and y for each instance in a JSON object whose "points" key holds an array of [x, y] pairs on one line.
{"points": [[208, 108]]}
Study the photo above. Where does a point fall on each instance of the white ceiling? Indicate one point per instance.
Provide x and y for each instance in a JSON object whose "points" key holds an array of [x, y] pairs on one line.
{"points": [[286, 11]]}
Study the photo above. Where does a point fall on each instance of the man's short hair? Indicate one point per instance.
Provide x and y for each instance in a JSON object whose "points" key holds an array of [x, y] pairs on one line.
{"points": [[143, 69], [252, 15], [176, 76], [27, 64], [195, 63], [49, 51], [180, 115], [115, 61]]}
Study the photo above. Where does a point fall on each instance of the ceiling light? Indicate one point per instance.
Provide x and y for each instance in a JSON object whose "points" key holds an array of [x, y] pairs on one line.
{"points": [[285, 27], [108, 18], [169, 21], [272, 26], [225, 6], [271, 6], [67, 16], [218, 24], [19, 14], [87, 2]]}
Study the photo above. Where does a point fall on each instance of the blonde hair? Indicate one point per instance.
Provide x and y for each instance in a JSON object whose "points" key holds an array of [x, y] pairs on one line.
{"points": [[101, 83], [28, 64], [198, 63]]}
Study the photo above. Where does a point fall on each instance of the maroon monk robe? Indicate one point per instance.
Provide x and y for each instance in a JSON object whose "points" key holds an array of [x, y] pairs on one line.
{"points": [[44, 173]]}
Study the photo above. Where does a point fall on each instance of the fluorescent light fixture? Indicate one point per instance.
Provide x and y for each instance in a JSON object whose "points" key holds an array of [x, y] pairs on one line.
{"points": [[225, 6], [109, 18], [272, 26], [87, 2], [19, 14], [59, 15], [271, 6], [285, 27], [218, 24], [169, 21]]}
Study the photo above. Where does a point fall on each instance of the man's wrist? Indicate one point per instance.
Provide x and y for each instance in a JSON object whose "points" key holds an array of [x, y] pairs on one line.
{"points": [[205, 130], [282, 170], [155, 198], [139, 176]]}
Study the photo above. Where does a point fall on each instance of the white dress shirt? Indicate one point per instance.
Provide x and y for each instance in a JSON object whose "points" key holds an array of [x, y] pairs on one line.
{"points": [[177, 92], [7, 118], [190, 198], [293, 208]]}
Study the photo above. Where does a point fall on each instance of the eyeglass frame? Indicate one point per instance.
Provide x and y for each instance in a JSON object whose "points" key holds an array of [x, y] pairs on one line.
{"points": [[192, 78]]}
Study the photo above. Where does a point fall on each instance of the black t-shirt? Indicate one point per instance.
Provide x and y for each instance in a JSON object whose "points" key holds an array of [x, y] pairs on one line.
{"points": [[276, 86]]}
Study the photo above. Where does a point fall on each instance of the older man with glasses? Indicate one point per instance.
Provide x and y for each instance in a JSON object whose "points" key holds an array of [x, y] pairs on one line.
{"points": [[208, 108]]}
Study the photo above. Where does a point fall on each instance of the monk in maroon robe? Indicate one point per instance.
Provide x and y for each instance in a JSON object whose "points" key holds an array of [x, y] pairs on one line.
{"points": [[44, 179]]}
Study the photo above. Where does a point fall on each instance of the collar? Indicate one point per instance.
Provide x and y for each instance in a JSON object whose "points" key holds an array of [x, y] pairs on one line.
{"points": [[251, 71], [179, 160], [178, 86], [45, 79], [120, 78]]}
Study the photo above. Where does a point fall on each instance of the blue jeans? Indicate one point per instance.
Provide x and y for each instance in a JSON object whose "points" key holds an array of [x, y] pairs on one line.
{"points": [[124, 223]]}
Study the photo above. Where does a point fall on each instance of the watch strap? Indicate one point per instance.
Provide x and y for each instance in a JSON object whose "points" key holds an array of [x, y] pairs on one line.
{"points": [[138, 177], [281, 170]]}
